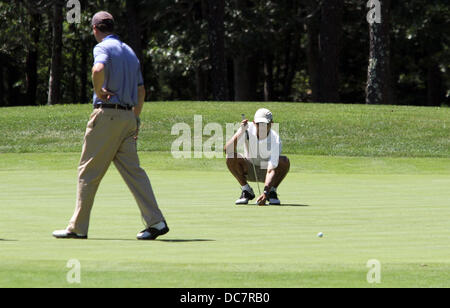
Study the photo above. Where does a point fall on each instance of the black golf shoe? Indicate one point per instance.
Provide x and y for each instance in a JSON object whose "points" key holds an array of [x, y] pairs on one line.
{"points": [[64, 234], [273, 198], [150, 234], [246, 196]]}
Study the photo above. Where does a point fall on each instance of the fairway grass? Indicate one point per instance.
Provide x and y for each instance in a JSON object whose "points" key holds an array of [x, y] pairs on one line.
{"points": [[395, 210], [308, 129]]}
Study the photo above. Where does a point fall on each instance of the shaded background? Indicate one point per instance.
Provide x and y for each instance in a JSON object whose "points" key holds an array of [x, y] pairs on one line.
{"points": [[259, 50]]}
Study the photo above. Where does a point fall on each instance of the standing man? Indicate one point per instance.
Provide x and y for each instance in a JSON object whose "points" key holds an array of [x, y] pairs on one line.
{"points": [[112, 132], [262, 162]]}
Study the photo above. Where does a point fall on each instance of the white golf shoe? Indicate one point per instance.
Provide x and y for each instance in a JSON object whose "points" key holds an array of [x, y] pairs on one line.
{"points": [[246, 196], [65, 234]]}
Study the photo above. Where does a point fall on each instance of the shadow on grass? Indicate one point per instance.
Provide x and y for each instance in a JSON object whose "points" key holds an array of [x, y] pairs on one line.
{"points": [[3, 240], [301, 205], [167, 241], [186, 241], [281, 205], [113, 239]]}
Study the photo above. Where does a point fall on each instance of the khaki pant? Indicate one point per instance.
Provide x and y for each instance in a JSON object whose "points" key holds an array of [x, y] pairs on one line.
{"points": [[110, 138]]}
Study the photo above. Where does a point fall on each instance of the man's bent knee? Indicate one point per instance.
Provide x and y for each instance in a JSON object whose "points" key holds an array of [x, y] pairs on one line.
{"points": [[284, 163], [232, 160]]}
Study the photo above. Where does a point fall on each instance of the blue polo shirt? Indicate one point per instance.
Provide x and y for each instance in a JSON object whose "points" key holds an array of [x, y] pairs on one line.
{"points": [[122, 71]]}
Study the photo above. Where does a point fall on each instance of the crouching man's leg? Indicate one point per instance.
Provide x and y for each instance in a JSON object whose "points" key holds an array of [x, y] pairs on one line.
{"points": [[273, 181], [281, 171], [239, 168]]}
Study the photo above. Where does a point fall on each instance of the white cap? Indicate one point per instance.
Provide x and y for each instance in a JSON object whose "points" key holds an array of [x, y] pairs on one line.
{"points": [[263, 116]]}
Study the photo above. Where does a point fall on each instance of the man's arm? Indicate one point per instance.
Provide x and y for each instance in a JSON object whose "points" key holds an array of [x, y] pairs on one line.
{"points": [[267, 186], [231, 147], [141, 99], [138, 108], [272, 165], [269, 178], [274, 159], [98, 79]]}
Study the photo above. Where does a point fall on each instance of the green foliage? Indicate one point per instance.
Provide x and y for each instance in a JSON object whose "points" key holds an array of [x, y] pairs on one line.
{"points": [[175, 47], [421, 36]]}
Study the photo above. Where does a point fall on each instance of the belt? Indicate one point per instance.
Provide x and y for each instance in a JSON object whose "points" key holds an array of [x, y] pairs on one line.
{"points": [[113, 106]]}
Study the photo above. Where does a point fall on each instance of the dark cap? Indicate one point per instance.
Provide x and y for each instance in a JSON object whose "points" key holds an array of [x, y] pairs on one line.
{"points": [[102, 17]]}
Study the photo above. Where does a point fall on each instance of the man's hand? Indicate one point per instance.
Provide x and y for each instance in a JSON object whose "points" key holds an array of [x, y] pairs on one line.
{"points": [[262, 200], [98, 80], [104, 95], [138, 124], [230, 148]]}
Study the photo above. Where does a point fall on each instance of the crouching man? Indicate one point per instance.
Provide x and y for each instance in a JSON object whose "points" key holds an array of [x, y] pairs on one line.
{"points": [[262, 160]]}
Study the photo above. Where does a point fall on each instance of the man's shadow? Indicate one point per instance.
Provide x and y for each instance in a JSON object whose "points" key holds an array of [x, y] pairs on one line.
{"points": [[282, 205], [186, 241], [287, 205], [166, 241]]}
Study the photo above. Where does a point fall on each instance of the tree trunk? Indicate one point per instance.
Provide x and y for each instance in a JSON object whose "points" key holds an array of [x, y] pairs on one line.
{"points": [[246, 69], [287, 62], [134, 29], [313, 29], [216, 37], [378, 90], [13, 95], [2, 82], [268, 78], [31, 65], [74, 90], [83, 73], [241, 79], [54, 90], [330, 32], [201, 84], [253, 75], [434, 85], [293, 58]]}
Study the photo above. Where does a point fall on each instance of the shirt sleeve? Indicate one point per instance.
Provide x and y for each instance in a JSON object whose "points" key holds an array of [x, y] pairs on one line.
{"points": [[140, 78], [275, 152], [100, 55]]}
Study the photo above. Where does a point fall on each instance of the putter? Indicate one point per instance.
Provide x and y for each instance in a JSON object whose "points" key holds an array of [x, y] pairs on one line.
{"points": [[254, 169]]}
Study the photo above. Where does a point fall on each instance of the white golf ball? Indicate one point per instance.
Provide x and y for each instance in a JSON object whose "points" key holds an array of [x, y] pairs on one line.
{"points": [[320, 234]]}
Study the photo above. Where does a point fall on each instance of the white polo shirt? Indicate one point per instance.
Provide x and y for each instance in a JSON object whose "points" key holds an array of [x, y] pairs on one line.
{"points": [[261, 152]]}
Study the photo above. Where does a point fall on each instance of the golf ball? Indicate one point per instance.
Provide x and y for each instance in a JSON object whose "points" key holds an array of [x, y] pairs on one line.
{"points": [[320, 234]]}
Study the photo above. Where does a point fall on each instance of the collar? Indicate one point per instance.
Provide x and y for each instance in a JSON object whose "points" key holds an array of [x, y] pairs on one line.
{"points": [[111, 37]]}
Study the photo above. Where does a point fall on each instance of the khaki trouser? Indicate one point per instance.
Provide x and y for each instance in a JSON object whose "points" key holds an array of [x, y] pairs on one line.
{"points": [[110, 138]]}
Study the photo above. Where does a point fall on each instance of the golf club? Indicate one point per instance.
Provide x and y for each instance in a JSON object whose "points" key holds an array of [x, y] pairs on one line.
{"points": [[254, 169]]}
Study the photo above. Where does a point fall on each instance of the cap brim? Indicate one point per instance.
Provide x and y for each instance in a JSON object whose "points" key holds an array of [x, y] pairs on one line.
{"points": [[261, 120]]}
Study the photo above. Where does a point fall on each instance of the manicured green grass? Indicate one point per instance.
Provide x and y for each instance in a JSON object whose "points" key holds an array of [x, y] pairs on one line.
{"points": [[392, 210], [374, 179], [308, 129]]}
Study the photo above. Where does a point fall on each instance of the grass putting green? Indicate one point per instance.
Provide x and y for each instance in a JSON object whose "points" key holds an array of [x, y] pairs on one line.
{"points": [[373, 179], [395, 210]]}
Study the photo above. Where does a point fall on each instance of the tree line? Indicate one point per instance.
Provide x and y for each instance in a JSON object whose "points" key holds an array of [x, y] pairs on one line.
{"points": [[242, 50]]}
